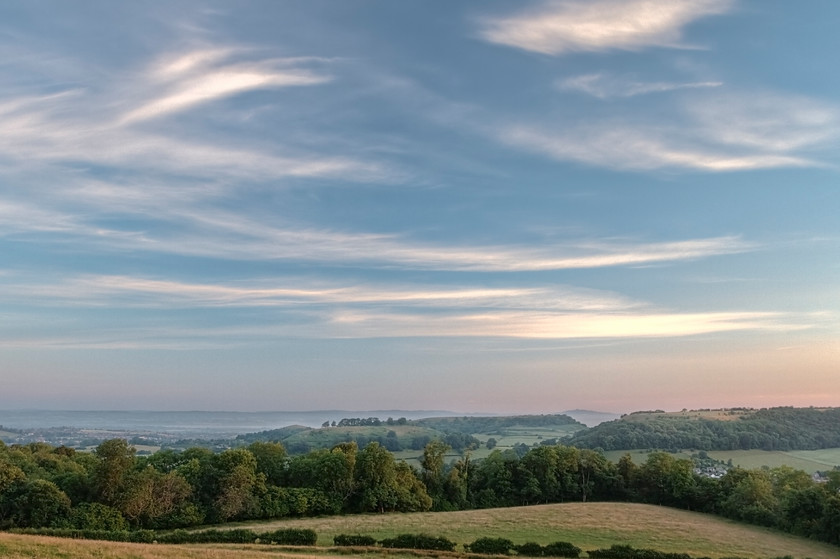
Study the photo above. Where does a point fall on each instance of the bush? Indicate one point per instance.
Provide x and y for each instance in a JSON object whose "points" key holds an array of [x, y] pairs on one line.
{"points": [[346, 540], [491, 546], [132, 536], [530, 549], [562, 549], [95, 516], [418, 541], [290, 536], [209, 536], [628, 552]]}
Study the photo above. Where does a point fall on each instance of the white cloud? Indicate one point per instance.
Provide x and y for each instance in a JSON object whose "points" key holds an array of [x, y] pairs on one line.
{"points": [[544, 325], [729, 131], [608, 86], [335, 310], [770, 122], [597, 25], [99, 125], [127, 291], [229, 236], [199, 77], [621, 146]]}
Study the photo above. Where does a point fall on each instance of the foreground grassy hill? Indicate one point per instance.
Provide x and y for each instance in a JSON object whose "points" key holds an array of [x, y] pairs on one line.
{"points": [[587, 525]]}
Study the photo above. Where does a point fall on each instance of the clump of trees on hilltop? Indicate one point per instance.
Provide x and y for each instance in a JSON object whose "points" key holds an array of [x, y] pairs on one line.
{"points": [[113, 489]]}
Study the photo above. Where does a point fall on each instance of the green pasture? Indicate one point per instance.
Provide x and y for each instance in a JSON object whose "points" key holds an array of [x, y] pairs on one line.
{"points": [[806, 460], [506, 438]]}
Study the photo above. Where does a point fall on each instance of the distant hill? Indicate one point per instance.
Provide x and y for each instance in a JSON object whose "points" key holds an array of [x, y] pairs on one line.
{"points": [[591, 418], [783, 428], [405, 434]]}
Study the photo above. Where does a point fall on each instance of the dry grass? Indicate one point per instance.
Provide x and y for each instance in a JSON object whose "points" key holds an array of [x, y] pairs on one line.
{"points": [[587, 525]]}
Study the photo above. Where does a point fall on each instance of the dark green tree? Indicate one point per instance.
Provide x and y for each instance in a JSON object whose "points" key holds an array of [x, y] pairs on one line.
{"points": [[115, 460]]}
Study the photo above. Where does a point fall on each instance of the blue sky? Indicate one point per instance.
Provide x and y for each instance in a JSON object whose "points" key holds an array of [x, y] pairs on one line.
{"points": [[473, 206]]}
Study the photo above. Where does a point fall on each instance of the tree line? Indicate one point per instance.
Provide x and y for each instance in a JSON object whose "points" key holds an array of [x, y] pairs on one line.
{"points": [[783, 429], [114, 489]]}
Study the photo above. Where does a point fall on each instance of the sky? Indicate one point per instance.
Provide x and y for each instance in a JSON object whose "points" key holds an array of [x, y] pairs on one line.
{"points": [[474, 206]]}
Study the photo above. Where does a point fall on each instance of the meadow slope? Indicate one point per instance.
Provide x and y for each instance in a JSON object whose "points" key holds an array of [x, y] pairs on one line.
{"points": [[587, 525]]}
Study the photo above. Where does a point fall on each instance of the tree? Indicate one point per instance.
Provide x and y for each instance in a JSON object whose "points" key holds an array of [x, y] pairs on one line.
{"points": [[35, 503], [492, 482], [628, 472], [433, 474], [666, 480], [542, 463], [96, 516], [115, 461], [271, 461], [151, 496], [236, 482], [382, 484], [376, 479], [9, 474], [748, 495]]}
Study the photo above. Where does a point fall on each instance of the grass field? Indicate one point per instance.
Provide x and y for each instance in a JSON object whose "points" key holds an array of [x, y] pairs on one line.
{"points": [[806, 460], [505, 439], [587, 525]]}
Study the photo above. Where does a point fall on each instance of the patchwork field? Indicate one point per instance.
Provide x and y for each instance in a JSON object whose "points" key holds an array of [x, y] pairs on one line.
{"points": [[505, 439]]}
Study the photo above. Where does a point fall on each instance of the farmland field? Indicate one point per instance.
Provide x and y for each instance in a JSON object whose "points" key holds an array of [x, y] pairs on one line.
{"points": [[505, 439], [806, 460]]}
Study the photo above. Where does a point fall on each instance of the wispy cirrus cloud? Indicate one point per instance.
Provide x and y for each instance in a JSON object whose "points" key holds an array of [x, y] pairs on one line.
{"points": [[731, 131], [229, 236], [126, 122], [337, 310], [198, 77], [546, 325], [131, 291], [606, 86], [560, 27]]}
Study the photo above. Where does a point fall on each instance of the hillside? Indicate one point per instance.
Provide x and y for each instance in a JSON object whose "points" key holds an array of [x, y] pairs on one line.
{"points": [[739, 429], [587, 525], [401, 434]]}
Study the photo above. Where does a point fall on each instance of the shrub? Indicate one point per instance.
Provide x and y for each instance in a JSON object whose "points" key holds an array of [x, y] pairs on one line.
{"points": [[209, 536], [346, 540], [95, 516], [491, 546], [290, 536], [561, 549], [530, 549], [628, 552], [418, 541]]}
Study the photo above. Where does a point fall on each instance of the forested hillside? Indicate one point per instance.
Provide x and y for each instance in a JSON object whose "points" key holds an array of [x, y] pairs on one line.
{"points": [[765, 429]]}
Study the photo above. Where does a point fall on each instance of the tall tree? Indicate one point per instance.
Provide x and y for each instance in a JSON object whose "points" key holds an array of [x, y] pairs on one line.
{"points": [[433, 472], [236, 483], [115, 459]]}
